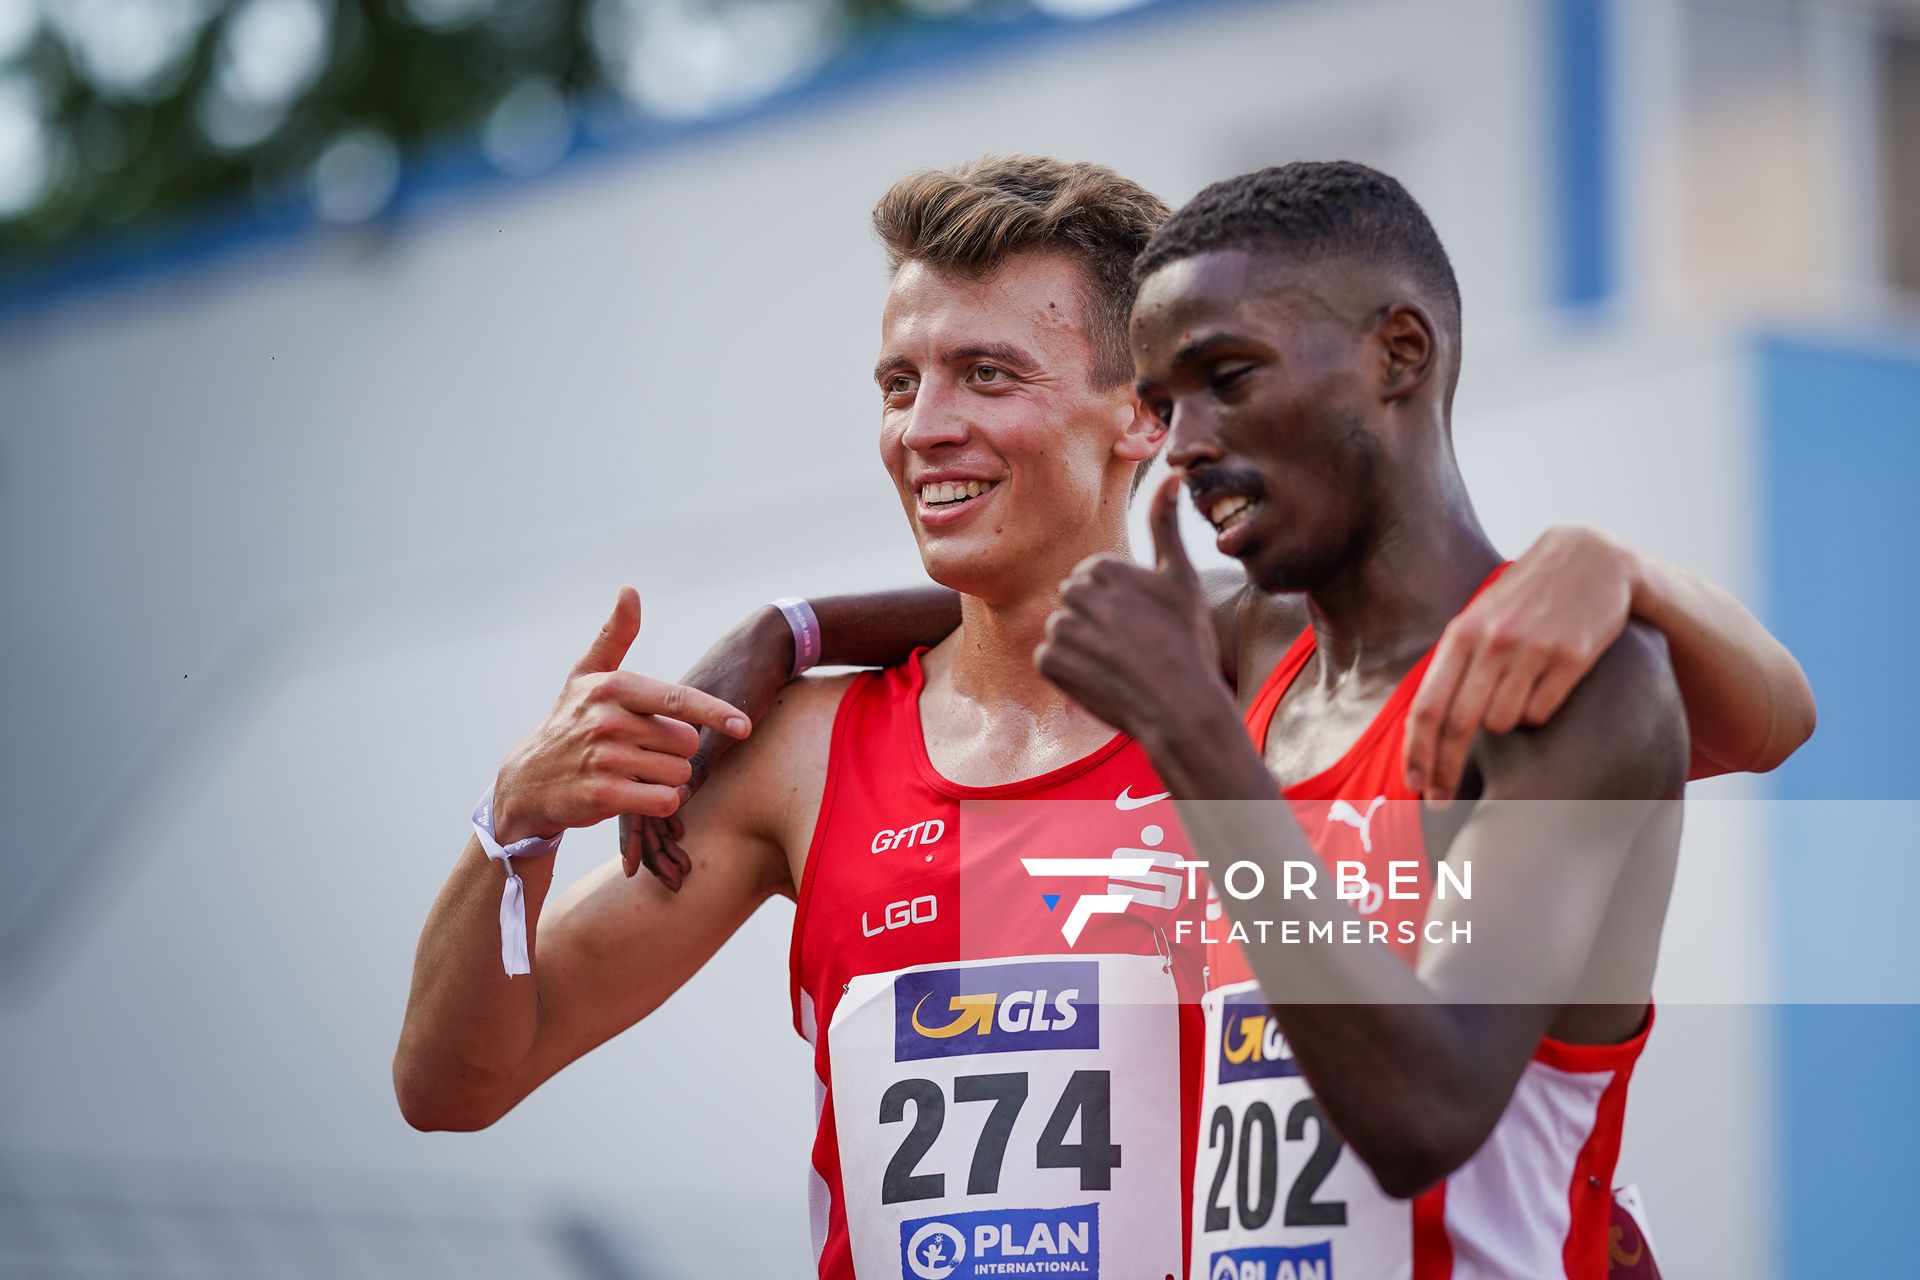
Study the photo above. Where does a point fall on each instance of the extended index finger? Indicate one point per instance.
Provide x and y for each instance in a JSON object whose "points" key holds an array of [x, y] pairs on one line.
{"points": [[1163, 517], [647, 696]]}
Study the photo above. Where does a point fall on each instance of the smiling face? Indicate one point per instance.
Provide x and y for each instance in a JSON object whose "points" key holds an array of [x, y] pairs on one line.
{"points": [[1010, 463], [1271, 381]]}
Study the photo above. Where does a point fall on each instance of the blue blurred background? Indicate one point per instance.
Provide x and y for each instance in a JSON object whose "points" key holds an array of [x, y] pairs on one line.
{"points": [[352, 352]]}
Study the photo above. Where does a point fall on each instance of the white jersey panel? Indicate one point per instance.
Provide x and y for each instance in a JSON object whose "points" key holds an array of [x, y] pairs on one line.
{"points": [[1507, 1208]]}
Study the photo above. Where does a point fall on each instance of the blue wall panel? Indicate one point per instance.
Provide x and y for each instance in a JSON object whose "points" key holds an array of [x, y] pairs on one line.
{"points": [[1841, 435], [1579, 162]]}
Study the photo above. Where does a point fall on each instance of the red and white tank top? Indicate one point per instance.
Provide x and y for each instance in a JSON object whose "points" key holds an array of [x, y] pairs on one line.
{"points": [[993, 1097], [1276, 1194]]}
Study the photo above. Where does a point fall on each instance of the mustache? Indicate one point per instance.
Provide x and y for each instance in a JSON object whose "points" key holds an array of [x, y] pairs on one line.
{"points": [[1215, 482]]}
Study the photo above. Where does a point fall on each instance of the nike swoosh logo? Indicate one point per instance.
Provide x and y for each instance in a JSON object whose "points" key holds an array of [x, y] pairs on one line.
{"points": [[1126, 800]]}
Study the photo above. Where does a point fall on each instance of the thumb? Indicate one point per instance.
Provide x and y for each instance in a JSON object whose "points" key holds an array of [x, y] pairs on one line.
{"points": [[609, 648], [1169, 553]]}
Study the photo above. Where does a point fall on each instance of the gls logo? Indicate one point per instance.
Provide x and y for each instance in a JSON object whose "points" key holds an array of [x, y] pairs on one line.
{"points": [[898, 915], [1251, 1044], [997, 1008], [926, 831]]}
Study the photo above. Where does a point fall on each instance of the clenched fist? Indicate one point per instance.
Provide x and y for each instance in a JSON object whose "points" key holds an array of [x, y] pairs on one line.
{"points": [[615, 742]]}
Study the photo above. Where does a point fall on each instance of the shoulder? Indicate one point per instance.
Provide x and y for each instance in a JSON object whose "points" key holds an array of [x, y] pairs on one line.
{"points": [[793, 734], [776, 778], [808, 705], [1621, 734]]}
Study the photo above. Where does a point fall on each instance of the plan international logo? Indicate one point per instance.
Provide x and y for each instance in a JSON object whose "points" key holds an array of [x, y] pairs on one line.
{"points": [[1002, 1242], [1274, 1262]]}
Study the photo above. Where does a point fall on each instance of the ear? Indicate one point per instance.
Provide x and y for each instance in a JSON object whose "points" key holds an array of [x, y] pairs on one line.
{"points": [[1410, 347], [1141, 434]]}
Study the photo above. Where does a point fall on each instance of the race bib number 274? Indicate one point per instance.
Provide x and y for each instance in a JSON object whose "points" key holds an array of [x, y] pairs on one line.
{"points": [[1011, 1118]]}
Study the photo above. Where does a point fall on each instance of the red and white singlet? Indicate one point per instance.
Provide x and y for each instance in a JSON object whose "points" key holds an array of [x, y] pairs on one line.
{"points": [[1276, 1194], [994, 1100]]}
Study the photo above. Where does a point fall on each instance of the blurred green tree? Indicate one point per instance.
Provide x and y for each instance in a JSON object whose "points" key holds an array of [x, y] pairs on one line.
{"points": [[116, 116]]}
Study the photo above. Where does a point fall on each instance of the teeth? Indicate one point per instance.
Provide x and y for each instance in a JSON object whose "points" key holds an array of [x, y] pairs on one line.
{"points": [[1226, 509], [950, 491]]}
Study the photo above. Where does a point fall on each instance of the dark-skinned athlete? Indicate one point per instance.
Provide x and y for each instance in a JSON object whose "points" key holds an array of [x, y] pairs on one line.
{"points": [[1298, 329]]}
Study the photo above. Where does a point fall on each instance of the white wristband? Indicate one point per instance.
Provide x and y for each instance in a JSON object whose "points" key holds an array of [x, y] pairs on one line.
{"points": [[806, 631], [513, 902]]}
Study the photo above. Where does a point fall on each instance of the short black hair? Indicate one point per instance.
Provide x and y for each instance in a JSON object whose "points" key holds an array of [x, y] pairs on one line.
{"points": [[1313, 209]]}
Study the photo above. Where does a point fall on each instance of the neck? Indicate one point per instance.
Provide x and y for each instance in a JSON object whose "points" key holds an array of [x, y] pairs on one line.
{"points": [[989, 660], [1389, 603]]}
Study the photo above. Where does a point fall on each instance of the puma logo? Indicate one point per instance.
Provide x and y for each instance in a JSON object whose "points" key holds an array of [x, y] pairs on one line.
{"points": [[1361, 822]]}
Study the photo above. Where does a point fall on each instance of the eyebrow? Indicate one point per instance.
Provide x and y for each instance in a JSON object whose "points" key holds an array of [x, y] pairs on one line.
{"points": [[998, 352], [1199, 348]]}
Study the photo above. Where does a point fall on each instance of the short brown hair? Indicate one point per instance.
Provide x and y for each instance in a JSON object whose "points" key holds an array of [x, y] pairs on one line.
{"points": [[972, 219]]}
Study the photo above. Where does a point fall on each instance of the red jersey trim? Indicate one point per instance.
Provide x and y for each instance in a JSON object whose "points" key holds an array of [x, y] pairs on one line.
{"points": [[1432, 1246], [1563, 1056], [803, 895], [923, 762], [1267, 701], [1278, 681], [1585, 1255]]}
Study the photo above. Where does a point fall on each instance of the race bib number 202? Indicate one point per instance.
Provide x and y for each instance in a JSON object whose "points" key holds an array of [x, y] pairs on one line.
{"points": [[1276, 1197]]}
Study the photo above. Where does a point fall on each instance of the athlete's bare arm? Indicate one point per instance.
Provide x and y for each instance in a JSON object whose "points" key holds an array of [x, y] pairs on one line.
{"points": [[609, 950], [1509, 659], [1575, 817], [1413, 1069], [751, 664], [748, 666], [1749, 706]]}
